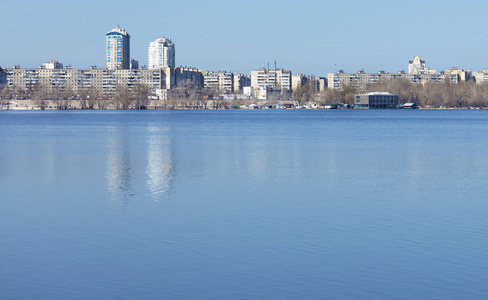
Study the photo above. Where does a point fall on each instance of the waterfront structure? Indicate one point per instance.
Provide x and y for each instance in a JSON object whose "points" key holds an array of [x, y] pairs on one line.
{"points": [[161, 53], [277, 79], [118, 49], [220, 82], [376, 100]]}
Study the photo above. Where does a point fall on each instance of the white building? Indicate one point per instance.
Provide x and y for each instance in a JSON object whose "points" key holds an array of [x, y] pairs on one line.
{"points": [[278, 79], [118, 49], [417, 66], [52, 65], [220, 82], [161, 53]]}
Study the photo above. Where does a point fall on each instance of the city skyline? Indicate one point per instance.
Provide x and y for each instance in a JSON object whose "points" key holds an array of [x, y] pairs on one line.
{"points": [[317, 37]]}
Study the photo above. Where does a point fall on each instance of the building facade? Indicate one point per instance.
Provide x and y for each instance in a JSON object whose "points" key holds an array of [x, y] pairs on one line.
{"points": [[240, 82], [76, 80], [298, 80], [161, 53], [361, 79], [278, 79], [416, 66], [376, 101], [220, 82], [118, 49], [52, 65]]}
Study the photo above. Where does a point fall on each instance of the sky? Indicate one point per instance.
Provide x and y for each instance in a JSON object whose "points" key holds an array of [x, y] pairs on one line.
{"points": [[309, 37]]}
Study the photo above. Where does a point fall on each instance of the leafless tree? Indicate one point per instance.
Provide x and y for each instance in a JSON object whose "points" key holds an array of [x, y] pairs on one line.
{"points": [[141, 93]]}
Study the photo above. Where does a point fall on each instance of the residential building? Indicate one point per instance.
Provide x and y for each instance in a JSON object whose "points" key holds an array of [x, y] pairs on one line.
{"points": [[161, 53], [321, 83], [278, 79], [416, 66], [360, 79], [299, 80], [376, 100], [240, 82], [481, 77], [133, 64], [188, 74], [118, 49], [52, 65], [220, 82], [103, 80], [3, 77]]}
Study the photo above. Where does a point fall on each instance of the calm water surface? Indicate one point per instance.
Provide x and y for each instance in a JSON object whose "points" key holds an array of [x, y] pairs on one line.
{"points": [[244, 205]]}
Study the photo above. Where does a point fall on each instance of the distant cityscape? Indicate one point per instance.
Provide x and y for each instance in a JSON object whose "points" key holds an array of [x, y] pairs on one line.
{"points": [[163, 78]]}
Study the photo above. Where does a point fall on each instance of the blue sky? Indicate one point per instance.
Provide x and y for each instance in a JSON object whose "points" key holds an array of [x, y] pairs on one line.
{"points": [[305, 37]]}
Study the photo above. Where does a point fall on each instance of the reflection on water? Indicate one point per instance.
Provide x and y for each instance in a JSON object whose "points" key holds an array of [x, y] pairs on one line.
{"points": [[135, 158], [119, 169], [296, 204], [159, 168]]}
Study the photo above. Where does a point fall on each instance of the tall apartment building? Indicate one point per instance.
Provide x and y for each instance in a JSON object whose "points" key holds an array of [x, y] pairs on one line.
{"points": [[3, 77], [220, 82], [161, 53], [118, 49], [278, 79]]}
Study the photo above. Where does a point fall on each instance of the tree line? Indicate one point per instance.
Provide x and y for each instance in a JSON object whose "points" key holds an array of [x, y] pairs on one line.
{"points": [[443, 94], [189, 95]]}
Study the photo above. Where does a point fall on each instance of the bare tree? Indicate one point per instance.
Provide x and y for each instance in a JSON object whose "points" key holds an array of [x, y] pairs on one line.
{"points": [[141, 93], [39, 94], [303, 94], [122, 97]]}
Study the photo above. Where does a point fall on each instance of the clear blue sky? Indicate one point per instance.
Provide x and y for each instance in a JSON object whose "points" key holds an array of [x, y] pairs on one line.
{"points": [[304, 37]]}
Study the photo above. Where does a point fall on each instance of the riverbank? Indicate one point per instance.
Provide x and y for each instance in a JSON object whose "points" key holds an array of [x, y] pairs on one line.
{"points": [[164, 104]]}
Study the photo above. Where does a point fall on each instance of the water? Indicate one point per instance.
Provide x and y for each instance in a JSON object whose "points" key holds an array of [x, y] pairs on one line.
{"points": [[244, 205]]}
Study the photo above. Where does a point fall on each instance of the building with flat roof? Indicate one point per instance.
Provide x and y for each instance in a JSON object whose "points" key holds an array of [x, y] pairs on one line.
{"points": [[118, 49], [278, 79], [221, 82], [376, 100], [240, 82], [52, 65]]}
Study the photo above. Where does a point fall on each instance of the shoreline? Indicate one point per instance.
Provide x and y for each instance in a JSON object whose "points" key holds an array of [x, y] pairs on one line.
{"points": [[28, 105]]}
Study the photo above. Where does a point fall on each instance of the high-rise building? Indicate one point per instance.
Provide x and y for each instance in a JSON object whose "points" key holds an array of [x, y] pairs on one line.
{"points": [[417, 66], [118, 49], [161, 53]]}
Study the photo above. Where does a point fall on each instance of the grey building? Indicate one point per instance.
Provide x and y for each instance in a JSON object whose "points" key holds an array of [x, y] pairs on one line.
{"points": [[376, 100]]}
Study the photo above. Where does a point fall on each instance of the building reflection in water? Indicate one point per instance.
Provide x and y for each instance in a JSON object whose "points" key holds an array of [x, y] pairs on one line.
{"points": [[119, 169], [160, 162]]}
